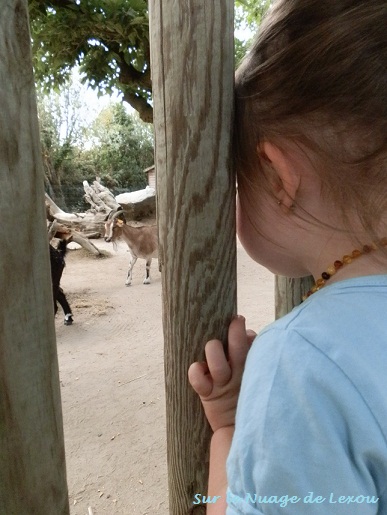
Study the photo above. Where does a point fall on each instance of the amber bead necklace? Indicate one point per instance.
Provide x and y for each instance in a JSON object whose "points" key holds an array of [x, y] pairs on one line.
{"points": [[346, 260]]}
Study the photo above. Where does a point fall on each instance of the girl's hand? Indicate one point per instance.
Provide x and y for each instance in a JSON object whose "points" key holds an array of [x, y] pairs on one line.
{"points": [[218, 381]]}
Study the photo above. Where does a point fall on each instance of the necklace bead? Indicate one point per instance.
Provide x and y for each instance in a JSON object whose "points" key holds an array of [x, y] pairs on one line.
{"points": [[337, 265]]}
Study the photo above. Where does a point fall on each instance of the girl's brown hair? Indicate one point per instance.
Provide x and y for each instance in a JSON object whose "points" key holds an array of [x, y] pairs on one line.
{"points": [[316, 77]]}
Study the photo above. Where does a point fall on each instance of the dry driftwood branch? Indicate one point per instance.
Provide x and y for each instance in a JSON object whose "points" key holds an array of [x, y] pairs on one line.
{"points": [[85, 243], [58, 230], [52, 230], [82, 222], [58, 214], [99, 197]]}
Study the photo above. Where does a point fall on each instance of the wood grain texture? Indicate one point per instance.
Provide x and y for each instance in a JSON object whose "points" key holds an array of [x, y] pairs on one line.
{"points": [[192, 77], [32, 468], [289, 292]]}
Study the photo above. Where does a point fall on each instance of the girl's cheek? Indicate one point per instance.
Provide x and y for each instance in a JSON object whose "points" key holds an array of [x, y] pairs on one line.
{"points": [[243, 227], [238, 216], [256, 246]]}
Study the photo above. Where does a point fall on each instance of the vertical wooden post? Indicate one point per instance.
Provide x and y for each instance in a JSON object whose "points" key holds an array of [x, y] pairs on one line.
{"points": [[289, 292], [32, 463], [192, 76]]}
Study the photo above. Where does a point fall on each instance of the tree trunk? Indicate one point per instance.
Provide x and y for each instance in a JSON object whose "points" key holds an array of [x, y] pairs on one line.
{"points": [[192, 74], [32, 460], [289, 292]]}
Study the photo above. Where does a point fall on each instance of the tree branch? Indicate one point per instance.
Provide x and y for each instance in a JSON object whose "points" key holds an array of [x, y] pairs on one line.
{"points": [[129, 74], [140, 104]]}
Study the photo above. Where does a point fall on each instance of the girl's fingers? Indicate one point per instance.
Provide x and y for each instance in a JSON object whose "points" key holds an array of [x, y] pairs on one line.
{"points": [[217, 371], [200, 379], [218, 365], [238, 343]]}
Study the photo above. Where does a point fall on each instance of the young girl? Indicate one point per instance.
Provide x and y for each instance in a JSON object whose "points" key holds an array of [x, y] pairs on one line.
{"points": [[309, 435]]}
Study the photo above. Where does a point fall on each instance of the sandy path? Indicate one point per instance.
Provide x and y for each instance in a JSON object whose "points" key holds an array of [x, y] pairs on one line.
{"points": [[111, 367]]}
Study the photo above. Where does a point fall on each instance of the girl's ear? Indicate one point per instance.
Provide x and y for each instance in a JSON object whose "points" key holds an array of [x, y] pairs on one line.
{"points": [[288, 176]]}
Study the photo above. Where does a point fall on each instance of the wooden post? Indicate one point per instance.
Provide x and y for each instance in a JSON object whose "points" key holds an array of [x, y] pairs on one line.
{"points": [[192, 76], [32, 462], [289, 292]]}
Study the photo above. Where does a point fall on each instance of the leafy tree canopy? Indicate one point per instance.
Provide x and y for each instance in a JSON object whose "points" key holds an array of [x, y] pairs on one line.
{"points": [[123, 148], [81, 140], [107, 39], [251, 12], [248, 16], [61, 130]]}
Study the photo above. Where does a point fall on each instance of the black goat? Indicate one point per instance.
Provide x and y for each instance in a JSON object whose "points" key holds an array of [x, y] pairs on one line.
{"points": [[57, 261]]}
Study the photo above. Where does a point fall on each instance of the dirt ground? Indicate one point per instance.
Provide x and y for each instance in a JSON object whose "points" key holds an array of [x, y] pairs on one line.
{"points": [[111, 370]]}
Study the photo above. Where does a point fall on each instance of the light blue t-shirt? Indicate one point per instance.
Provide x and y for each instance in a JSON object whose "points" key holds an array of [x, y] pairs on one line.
{"points": [[311, 424]]}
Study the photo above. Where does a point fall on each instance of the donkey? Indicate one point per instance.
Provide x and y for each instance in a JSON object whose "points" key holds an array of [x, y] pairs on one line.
{"points": [[142, 242]]}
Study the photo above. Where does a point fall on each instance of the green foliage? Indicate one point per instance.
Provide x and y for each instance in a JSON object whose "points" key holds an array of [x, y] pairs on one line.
{"points": [[248, 16], [252, 11], [123, 148], [62, 128], [116, 146], [107, 39]]}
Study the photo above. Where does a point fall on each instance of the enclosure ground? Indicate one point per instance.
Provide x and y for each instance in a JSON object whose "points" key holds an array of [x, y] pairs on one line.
{"points": [[112, 385]]}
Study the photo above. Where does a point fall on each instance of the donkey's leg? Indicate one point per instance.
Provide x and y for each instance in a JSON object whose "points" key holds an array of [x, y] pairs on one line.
{"points": [[147, 279], [132, 262]]}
